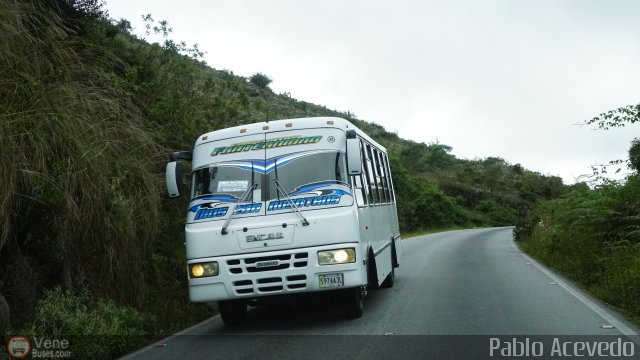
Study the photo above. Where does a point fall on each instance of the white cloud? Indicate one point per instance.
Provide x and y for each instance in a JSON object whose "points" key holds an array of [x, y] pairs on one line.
{"points": [[490, 78]]}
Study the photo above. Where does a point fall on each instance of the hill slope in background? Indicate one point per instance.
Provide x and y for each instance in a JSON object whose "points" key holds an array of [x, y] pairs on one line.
{"points": [[89, 114]]}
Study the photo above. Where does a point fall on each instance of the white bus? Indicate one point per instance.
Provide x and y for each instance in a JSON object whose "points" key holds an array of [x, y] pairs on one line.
{"points": [[286, 207]]}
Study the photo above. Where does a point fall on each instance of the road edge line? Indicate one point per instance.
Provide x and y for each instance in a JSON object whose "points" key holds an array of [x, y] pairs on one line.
{"points": [[166, 339], [578, 294]]}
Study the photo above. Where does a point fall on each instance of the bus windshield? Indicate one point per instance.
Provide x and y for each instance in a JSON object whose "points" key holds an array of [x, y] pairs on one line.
{"points": [[223, 180], [317, 168], [293, 175]]}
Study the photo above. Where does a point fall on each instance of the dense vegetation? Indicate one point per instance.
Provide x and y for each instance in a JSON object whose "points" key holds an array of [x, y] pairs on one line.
{"points": [[88, 116], [592, 235]]}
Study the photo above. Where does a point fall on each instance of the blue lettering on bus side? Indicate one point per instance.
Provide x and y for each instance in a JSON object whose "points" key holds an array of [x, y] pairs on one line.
{"points": [[247, 209], [305, 202], [208, 213]]}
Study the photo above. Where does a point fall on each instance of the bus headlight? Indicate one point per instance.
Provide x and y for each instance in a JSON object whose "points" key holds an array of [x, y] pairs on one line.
{"points": [[204, 269], [340, 256]]}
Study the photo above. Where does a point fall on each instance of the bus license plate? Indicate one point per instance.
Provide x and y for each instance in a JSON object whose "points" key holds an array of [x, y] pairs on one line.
{"points": [[331, 280]]}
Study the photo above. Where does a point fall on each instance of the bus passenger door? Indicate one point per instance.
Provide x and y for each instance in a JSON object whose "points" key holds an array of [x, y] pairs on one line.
{"points": [[362, 195]]}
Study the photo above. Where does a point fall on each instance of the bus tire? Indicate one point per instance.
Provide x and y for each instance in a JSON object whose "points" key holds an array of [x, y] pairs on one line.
{"points": [[232, 312], [353, 302]]}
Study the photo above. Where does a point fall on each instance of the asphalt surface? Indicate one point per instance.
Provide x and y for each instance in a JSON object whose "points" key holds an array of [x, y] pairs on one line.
{"points": [[469, 294]]}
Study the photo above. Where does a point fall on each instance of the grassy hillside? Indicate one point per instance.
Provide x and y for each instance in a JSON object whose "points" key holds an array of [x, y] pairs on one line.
{"points": [[88, 116]]}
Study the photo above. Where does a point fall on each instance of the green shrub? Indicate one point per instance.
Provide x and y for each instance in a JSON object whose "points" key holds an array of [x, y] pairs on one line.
{"points": [[96, 330], [260, 80], [496, 213]]}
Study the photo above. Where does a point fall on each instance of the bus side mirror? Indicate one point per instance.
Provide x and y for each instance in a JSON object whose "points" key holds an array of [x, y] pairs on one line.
{"points": [[173, 177], [353, 153]]}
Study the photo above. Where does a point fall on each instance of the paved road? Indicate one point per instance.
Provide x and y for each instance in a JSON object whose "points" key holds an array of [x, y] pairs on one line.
{"points": [[461, 288]]}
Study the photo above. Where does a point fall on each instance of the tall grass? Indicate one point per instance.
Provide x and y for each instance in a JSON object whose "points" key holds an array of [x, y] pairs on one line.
{"points": [[79, 185]]}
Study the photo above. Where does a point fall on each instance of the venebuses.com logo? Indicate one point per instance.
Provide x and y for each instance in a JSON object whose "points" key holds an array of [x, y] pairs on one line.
{"points": [[19, 347]]}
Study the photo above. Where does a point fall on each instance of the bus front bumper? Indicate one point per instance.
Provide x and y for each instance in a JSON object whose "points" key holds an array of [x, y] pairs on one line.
{"points": [[248, 276]]}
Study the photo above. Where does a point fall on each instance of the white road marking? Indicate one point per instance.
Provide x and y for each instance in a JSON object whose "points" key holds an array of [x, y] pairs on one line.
{"points": [[165, 341], [624, 329]]}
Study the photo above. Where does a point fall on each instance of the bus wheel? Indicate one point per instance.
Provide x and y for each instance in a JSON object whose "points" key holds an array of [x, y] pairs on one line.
{"points": [[232, 312], [354, 302]]}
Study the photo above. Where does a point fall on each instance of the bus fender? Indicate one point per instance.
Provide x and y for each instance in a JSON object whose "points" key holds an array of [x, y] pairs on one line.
{"points": [[372, 270], [394, 254]]}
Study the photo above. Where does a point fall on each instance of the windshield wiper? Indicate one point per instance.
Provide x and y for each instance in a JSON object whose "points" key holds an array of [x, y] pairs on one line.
{"points": [[280, 190], [243, 198]]}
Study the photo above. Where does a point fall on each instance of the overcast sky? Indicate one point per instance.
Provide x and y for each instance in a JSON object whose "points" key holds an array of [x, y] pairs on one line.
{"points": [[506, 78]]}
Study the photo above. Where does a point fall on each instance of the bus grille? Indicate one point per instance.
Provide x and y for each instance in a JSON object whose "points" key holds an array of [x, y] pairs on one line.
{"points": [[269, 285], [267, 263]]}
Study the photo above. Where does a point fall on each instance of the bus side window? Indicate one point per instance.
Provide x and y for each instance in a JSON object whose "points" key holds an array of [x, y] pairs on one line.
{"points": [[371, 178], [380, 181], [361, 197], [385, 177], [360, 186], [366, 185], [392, 195]]}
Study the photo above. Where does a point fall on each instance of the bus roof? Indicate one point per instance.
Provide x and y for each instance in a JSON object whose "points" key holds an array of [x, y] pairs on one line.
{"points": [[284, 125]]}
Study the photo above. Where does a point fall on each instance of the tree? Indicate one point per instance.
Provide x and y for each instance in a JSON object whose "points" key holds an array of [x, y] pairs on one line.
{"points": [[260, 80], [617, 118], [634, 155], [91, 8]]}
